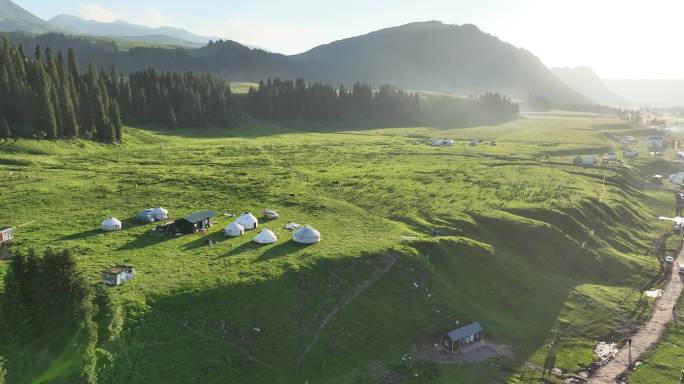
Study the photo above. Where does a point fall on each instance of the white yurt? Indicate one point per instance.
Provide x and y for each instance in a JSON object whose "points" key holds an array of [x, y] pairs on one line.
{"points": [[111, 225], [248, 221], [160, 213], [153, 214], [306, 235], [234, 230], [266, 236], [270, 214]]}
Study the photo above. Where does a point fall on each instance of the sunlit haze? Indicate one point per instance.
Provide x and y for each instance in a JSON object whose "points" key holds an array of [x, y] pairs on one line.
{"points": [[618, 39]]}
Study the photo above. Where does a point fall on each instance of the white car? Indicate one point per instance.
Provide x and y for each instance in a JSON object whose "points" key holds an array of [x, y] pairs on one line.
{"points": [[669, 259]]}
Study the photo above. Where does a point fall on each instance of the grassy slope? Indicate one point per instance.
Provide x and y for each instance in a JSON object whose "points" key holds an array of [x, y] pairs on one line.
{"points": [[512, 257]]}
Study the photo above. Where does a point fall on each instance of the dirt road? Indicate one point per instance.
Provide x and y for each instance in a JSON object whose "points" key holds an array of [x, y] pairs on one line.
{"points": [[648, 334]]}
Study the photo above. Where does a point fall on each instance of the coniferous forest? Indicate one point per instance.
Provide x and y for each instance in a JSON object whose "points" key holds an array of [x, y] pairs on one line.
{"points": [[46, 95], [278, 99]]}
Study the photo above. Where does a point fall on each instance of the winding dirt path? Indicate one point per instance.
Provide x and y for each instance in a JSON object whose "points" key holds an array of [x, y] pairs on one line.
{"points": [[648, 334]]}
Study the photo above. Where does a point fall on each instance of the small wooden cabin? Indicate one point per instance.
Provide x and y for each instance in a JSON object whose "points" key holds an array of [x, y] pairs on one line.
{"points": [[194, 223], [118, 275], [458, 339], [6, 235]]}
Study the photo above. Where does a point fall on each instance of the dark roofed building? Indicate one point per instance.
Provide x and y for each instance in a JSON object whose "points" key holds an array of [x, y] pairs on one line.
{"points": [[195, 222], [462, 337]]}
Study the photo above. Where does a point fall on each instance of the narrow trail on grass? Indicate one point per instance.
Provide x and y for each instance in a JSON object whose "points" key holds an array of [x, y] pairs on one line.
{"points": [[201, 335], [648, 334], [390, 260]]}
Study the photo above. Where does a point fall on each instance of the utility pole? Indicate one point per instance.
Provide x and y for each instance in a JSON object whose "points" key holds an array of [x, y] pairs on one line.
{"points": [[629, 342]]}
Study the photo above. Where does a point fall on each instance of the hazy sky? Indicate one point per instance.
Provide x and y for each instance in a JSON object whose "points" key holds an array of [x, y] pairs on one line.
{"points": [[617, 38]]}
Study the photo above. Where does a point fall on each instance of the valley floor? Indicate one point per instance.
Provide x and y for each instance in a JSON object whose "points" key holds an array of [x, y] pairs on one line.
{"points": [[539, 251]]}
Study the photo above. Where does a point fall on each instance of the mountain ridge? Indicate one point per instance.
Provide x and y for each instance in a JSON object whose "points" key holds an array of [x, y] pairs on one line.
{"points": [[122, 28]]}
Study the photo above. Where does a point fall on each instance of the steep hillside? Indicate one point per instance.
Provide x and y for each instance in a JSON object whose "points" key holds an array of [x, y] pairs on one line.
{"points": [[586, 82], [14, 18], [121, 28], [436, 56]]}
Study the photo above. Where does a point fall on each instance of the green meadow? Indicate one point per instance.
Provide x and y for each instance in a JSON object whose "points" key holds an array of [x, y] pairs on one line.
{"points": [[534, 248]]}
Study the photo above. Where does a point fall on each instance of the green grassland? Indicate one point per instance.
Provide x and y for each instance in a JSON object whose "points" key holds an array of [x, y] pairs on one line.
{"points": [[534, 248]]}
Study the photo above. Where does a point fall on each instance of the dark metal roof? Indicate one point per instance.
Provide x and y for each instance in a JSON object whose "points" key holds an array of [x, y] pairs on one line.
{"points": [[200, 216], [470, 329], [119, 269]]}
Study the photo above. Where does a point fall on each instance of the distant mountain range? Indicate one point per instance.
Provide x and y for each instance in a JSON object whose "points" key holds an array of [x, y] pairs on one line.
{"points": [[121, 28], [586, 82], [458, 59]]}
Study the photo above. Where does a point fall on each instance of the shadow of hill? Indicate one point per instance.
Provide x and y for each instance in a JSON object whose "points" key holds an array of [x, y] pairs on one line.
{"points": [[228, 333]]}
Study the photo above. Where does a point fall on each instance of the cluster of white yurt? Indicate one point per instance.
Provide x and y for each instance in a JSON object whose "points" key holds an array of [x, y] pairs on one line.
{"points": [[111, 225], [234, 229], [266, 236], [248, 221], [306, 235], [153, 214]]}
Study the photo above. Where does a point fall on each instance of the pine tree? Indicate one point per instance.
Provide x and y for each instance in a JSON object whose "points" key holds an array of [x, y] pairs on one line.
{"points": [[115, 116], [47, 122], [69, 121]]}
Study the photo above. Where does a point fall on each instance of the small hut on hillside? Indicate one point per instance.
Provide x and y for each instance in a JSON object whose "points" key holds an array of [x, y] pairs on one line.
{"points": [[118, 275], [6, 235], [194, 223], [458, 339]]}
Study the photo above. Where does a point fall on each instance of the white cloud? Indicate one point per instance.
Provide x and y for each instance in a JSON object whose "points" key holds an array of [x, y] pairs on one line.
{"points": [[149, 16], [97, 12]]}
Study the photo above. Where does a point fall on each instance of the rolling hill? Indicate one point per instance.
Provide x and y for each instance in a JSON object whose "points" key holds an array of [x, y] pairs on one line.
{"points": [[586, 82], [14, 18]]}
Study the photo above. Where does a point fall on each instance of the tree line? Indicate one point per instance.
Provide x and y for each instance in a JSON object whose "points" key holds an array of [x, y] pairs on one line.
{"points": [[175, 99], [277, 99], [46, 96], [49, 310]]}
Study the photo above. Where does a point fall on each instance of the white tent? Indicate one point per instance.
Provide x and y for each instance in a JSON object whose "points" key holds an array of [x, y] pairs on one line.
{"points": [[111, 225], [266, 236], [270, 214], [248, 221], [307, 235], [234, 230], [153, 214], [160, 213]]}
